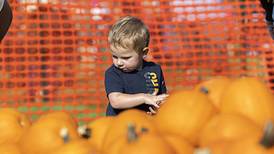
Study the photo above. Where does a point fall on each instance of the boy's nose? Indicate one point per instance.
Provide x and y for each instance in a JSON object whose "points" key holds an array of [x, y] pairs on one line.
{"points": [[119, 62]]}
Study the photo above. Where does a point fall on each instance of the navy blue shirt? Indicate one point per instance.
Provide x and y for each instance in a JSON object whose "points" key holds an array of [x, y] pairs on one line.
{"points": [[147, 80]]}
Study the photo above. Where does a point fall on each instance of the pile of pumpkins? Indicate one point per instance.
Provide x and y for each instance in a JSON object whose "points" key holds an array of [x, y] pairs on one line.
{"points": [[218, 116]]}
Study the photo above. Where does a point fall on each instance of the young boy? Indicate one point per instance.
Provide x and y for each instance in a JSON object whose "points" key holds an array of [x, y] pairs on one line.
{"points": [[132, 82]]}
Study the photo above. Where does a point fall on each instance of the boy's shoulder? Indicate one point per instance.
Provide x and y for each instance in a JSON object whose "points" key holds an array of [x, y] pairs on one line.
{"points": [[150, 64], [111, 69]]}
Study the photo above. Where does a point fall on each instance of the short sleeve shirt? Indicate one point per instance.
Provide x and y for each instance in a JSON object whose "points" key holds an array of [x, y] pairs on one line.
{"points": [[147, 80]]}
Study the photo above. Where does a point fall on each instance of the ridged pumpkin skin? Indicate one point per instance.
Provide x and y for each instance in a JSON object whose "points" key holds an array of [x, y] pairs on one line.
{"points": [[185, 113], [214, 88], [119, 126], [249, 97], [227, 127], [44, 134], [12, 125]]}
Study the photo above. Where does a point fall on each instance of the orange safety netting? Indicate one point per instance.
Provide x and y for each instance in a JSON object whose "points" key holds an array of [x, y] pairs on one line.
{"points": [[56, 51]]}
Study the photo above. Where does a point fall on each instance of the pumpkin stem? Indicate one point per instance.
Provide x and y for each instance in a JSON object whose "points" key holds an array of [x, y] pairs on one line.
{"points": [[21, 123], [204, 90], [144, 130], [84, 131], [131, 133], [268, 136], [64, 134]]}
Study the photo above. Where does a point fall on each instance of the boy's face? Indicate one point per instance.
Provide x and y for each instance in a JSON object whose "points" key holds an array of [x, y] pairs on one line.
{"points": [[126, 60]]}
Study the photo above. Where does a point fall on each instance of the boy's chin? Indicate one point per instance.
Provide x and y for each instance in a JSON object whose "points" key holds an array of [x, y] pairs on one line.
{"points": [[126, 70]]}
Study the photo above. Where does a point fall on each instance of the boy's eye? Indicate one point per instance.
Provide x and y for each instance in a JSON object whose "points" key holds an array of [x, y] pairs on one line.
{"points": [[125, 58]]}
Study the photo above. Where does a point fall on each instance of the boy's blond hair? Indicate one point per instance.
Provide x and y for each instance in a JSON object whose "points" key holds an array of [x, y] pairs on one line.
{"points": [[129, 32]]}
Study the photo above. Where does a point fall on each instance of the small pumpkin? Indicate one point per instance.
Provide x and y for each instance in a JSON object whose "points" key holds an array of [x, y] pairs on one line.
{"points": [[119, 126], [249, 97], [185, 112], [255, 144], [214, 88], [145, 143], [95, 130], [49, 132], [227, 127]]}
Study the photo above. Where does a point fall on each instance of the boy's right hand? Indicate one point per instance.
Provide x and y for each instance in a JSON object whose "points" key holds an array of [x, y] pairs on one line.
{"points": [[154, 100]]}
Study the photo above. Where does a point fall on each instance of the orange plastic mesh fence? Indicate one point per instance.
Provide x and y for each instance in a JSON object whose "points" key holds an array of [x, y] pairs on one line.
{"points": [[56, 51]]}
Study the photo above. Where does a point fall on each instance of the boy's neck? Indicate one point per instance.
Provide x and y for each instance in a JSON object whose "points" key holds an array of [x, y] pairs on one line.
{"points": [[141, 65]]}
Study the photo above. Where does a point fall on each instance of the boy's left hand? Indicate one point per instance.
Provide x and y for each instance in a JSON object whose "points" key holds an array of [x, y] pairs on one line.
{"points": [[152, 110]]}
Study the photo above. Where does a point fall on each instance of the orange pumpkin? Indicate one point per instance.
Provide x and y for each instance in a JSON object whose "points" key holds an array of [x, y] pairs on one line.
{"points": [[185, 113], [144, 143], [95, 130], [131, 138], [119, 126], [12, 125], [214, 88], [148, 144], [49, 132], [227, 127], [249, 97]]}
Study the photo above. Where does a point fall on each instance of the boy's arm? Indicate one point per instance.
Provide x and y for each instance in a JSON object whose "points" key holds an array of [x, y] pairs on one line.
{"points": [[122, 101], [163, 88]]}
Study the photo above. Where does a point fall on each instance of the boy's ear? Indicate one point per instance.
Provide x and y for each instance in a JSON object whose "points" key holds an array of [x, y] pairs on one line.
{"points": [[145, 51]]}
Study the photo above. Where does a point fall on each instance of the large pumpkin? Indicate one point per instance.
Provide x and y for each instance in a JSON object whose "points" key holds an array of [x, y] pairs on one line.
{"points": [[119, 125], [227, 127], [249, 97], [214, 88], [49, 132], [185, 112], [12, 125]]}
